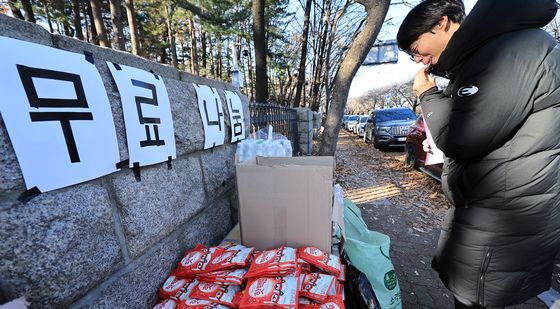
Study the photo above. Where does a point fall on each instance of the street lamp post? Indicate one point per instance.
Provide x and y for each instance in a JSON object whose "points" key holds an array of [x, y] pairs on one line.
{"points": [[235, 69]]}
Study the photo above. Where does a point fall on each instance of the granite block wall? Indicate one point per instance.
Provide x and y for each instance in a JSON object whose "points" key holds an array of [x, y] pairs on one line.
{"points": [[111, 242]]}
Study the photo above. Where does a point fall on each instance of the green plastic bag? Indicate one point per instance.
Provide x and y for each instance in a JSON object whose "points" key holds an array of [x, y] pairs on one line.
{"points": [[369, 252]]}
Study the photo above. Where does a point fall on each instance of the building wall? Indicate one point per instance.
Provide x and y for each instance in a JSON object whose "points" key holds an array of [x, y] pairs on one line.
{"points": [[112, 241]]}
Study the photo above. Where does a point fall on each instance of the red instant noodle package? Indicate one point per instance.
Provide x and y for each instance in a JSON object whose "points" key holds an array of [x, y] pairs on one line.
{"points": [[228, 295], [271, 263], [278, 292], [336, 289], [230, 259], [332, 302], [173, 287], [196, 261], [188, 290], [342, 276], [192, 303], [230, 277], [316, 286], [324, 261], [167, 304], [228, 244], [304, 266]]}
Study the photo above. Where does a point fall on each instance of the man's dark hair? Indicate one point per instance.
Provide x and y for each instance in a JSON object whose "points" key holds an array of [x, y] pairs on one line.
{"points": [[424, 17]]}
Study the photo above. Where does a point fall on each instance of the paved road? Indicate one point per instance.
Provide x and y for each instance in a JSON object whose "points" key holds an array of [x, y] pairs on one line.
{"points": [[406, 205]]}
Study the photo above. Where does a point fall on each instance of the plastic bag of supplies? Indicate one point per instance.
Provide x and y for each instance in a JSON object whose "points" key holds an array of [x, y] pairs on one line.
{"points": [[368, 251]]}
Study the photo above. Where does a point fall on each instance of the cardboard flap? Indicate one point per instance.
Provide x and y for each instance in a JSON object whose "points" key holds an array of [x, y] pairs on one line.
{"points": [[282, 202], [302, 161]]}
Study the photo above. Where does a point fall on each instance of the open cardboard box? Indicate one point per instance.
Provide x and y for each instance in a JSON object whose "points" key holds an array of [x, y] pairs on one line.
{"points": [[286, 201]]}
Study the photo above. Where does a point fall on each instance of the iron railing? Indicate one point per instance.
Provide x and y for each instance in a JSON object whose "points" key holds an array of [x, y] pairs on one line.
{"points": [[283, 120]]}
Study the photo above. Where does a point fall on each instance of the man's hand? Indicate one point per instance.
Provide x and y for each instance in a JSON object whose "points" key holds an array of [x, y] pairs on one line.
{"points": [[423, 81]]}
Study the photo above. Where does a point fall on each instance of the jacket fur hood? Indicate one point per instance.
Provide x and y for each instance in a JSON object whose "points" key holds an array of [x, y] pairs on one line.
{"points": [[487, 20]]}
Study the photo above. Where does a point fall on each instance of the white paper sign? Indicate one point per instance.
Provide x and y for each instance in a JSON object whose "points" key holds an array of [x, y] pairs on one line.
{"points": [[147, 115], [212, 114], [57, 113], [236, 118], [435, 155]]}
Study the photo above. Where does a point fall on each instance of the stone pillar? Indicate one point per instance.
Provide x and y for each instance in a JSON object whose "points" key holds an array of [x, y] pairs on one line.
{"points": [[305, 130]]}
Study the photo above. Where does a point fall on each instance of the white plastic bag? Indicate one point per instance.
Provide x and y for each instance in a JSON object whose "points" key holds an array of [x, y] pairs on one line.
{"points": [[264, 143]]}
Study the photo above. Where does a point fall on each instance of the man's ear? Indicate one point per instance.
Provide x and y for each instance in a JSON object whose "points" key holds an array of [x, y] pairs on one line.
{"points": [[444, 23]]}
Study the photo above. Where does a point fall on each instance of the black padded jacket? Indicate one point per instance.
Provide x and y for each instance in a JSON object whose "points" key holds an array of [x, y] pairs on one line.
{"points": [[498, 124]]}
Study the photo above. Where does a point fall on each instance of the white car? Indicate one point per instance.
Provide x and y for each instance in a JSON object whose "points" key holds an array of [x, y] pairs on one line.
{"points": [[360, 127], [352, 120]]}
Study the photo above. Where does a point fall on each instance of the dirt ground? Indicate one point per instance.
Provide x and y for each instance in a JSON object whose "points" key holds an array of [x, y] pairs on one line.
{"points": [[409, 207]]}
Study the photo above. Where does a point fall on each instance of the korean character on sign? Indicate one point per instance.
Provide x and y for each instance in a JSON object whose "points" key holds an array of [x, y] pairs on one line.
{"points": [[237, 120], [57, 113], [147, 115], [212, 114]]}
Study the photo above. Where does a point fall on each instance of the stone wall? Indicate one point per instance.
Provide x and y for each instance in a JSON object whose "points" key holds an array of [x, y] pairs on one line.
{"points": [[112, 241]]}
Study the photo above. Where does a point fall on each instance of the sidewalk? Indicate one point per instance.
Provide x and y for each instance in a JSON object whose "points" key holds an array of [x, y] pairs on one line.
{"points": [[408, 206]]}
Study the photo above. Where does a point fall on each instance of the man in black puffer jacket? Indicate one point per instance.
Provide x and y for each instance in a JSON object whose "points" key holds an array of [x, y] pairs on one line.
{"points": [[498, 123]]}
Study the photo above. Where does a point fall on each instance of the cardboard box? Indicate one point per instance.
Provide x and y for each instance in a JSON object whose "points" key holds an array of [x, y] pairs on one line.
{"points": [[286, 201]]}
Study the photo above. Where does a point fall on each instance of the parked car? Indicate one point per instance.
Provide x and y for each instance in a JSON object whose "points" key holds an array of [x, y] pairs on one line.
{"points": [[360, 126], [343, 120], [415, 155], [351, 122], [389, 127]]}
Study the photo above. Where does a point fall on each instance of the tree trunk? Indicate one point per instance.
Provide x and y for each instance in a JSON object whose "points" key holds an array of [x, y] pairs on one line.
{"points": [[251, 77], [67, 30], [301, 72], [228, 66], [203, 49], [328, 63], [93, 37], [194, 54], [77, 19], [219, 56], [162, 55], [326, 77], [292, 89], [247, 81], [376, 11], [99, 25], [86, 24], [133, 25], [117, 25], [259, 31], [211, 55], [287, 86], [61, 17], [316, 90], [171, 35], [48, 14], [28, 10], [15, 11]]}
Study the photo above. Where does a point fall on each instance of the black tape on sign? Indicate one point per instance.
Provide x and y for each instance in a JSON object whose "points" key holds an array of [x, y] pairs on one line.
{"points": [[89, 57], [136, 170], [122, 164], [118, 67], [169, 163], [29, 194], [155, 75]]}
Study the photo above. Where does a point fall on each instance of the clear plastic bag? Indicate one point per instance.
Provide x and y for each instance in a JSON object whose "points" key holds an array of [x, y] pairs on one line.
{"points": [[264, 143]]}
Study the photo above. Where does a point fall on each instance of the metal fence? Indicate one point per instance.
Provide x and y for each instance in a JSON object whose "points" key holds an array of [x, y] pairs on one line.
{"points": [[283, 120]]}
